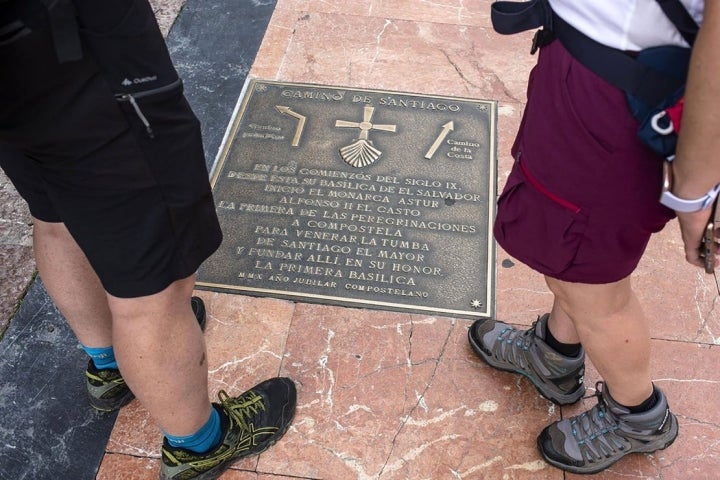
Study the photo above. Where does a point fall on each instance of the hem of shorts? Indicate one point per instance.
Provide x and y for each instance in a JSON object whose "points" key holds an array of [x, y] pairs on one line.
{"points": [[150, 288], [570, 278], [45, 218]]}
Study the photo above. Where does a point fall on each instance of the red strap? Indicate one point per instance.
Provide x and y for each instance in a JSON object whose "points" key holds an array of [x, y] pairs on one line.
{"points": [[675, 114]]}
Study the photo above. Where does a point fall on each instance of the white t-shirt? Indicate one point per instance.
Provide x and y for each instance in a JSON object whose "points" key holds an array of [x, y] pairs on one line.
{"points": [[625, 24]]}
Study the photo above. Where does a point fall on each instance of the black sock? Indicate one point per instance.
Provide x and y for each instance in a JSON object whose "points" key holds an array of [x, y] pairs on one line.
{"points": [[567, 349], [646, 405]]}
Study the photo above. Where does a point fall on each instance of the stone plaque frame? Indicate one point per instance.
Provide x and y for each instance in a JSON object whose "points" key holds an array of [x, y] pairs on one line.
{"points": [[359, 198]]}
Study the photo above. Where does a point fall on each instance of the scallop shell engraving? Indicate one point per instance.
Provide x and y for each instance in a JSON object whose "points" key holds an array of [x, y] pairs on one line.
{"points": [[360, 154]]}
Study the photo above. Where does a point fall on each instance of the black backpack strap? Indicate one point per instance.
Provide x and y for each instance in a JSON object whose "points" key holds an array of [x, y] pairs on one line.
{"points": [[513, 17], [679, 16], [64, 29], [615, 66]]}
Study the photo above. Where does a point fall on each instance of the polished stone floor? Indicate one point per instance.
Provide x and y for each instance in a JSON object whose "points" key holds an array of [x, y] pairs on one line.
{"points": [[387, 395]]}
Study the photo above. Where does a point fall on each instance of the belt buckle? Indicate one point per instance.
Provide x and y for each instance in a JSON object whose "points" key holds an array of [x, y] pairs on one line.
{"points": [[541, 38]]}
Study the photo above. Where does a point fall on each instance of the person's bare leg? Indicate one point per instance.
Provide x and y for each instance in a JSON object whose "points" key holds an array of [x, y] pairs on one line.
{"points": [[158, 343], [160, 350], [612, 328], [72, 284], [561, 325]]}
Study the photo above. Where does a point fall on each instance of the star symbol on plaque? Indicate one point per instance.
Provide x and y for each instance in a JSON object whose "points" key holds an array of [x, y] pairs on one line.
{"points": [[476, 304]]}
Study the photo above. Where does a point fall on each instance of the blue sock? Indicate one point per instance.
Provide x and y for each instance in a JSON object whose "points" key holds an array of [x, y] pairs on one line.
{"points": [[103, 357], [205, 439]]}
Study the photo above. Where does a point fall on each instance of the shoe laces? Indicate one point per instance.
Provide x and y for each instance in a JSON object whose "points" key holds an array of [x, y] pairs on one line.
{"points": [[515, 339], [105, 377], [242, 409], [594, 429]]}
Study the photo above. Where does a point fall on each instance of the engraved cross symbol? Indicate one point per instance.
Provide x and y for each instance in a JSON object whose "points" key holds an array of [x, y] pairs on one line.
{"points": [[365, 126], [362, 152]]}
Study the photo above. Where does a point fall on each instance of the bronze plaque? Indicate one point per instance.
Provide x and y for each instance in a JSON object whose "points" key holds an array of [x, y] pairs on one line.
{"points": [[360, 198]]}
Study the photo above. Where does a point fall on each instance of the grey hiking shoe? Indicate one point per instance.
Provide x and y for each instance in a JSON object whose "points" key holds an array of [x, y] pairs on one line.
{"points": [[557, 377], [107, 390], [594, 440]]}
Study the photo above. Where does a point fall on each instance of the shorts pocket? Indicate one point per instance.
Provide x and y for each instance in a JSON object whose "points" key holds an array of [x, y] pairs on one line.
{"points": [[160, 112], [541, 231], [167, 131], [600, 114]]}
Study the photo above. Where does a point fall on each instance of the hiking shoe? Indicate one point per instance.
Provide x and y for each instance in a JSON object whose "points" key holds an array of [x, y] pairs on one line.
{"points": [[107, 390], [250, 424], [594, 440], [557, 377], [198, 308]]}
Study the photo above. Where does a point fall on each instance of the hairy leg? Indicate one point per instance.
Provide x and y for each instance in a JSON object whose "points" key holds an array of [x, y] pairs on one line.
{"points": [[72, 284], [161, 353], [158, 343]]}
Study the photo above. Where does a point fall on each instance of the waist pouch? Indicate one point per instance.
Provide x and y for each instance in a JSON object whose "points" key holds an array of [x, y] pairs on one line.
{"points": [[660, 122], [653, 80]]}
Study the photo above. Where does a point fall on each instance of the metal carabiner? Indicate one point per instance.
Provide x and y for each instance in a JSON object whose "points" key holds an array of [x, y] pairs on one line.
{"points": [[654, 123]]}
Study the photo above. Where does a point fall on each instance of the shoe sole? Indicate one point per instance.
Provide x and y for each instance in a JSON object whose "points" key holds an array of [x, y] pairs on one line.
{"points": [[600, 466], [107, 406], [215, 473], [568, 399]]}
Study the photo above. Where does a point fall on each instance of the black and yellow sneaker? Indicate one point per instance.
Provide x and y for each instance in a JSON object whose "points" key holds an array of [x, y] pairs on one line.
{"points": [[198, 308], [250, 424], [107, 390]]}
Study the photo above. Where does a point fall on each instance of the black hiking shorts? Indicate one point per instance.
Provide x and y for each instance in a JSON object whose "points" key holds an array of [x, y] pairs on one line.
{"points": [[120, 163]]}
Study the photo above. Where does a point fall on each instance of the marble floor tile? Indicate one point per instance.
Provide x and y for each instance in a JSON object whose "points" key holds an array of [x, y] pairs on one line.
{"points": [[17, 267], [17, 263], [375, 52], [126, 467], [443, 11], [391, 395]]}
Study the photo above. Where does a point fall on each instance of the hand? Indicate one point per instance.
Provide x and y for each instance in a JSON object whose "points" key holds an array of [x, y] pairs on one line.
{"points": [[692, 227]]}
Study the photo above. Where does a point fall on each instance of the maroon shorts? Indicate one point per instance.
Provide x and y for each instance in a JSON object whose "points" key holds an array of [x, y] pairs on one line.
{"points": [[581, 200]]}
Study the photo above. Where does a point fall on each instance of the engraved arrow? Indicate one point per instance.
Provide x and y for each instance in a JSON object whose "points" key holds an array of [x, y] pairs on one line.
{"points": [[301, 122], [447, 128]]}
